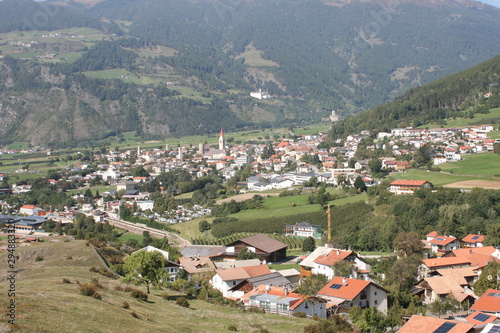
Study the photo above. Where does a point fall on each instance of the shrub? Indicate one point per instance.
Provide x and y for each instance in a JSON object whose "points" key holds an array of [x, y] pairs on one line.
{"points": [[165, 296], [39, 258], [118, 288], [65, 280], [87, 289], [254, 309], [232, 328], [96, 295], [141, 296], [96, 284], [93, 269], [126, 305], [128, 289], [299, 314], [182, 301], [69, 257], [135, 315]]}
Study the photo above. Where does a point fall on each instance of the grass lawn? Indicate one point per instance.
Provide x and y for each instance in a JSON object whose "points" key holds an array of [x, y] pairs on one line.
{"points": [[157, 51], [475, 164], [461, 122], [279, 267], [436, 178], [310, 130], [94, 189], [40, 293], [109, 73], [126, 236], [253, 57], [190, 229], [494, 135], [188, 195], [18, 145], [350, 199]]}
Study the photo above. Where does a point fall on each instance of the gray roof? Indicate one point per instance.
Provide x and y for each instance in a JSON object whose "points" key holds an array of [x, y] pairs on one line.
{"points": [[262, 242], [202, 250], [272, 279], [237, 263]]}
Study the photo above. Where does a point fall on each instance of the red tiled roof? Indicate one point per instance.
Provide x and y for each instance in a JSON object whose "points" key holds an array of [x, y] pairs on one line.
{"points": [[259, 270], [421, 324], [28, 207], [488, 302], [473, 238], [483, 250], [442, 240], [348, 291], [471, 319], [445, 261], [432, 234], [332, 257], [407, 182]]}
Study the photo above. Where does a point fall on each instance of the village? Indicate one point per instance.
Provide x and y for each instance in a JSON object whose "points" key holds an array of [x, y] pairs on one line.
{"points": [[450, 266]]}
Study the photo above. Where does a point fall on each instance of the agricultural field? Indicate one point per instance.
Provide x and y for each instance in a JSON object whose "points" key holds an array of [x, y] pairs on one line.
{"points": [[67, 45], [253, 57], [437, 178], [461, 122], [475, 164], [41, 292], [157, 51]]}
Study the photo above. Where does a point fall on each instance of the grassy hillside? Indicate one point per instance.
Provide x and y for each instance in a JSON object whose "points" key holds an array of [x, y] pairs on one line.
{"points": [[46, 304]]}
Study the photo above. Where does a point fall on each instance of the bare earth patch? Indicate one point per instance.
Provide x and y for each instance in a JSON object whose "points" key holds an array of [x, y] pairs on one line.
{"points": [[475, 183], [246, 196]]}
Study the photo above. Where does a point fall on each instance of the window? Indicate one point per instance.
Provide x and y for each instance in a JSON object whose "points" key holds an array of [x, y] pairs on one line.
{"points": [[376, 302], [234, 283], [375, 293]]}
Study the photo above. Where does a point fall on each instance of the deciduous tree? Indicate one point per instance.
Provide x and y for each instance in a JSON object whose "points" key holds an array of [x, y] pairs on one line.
{"points": [[145, 268]]}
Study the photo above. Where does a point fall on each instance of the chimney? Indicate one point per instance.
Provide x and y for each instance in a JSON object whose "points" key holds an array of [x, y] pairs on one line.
{"points": [[338, 252], [344, 281]]}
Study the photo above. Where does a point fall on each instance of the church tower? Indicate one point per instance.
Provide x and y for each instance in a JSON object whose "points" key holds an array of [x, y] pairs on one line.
{"points": [[221, 139]]}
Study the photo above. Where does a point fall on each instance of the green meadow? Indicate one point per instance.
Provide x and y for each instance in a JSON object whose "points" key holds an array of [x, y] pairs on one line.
{"points": [[475, 164]]}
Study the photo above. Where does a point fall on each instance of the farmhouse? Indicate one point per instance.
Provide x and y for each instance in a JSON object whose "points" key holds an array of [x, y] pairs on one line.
{"points": [[403, 186], [302, 229], [264, 247]]}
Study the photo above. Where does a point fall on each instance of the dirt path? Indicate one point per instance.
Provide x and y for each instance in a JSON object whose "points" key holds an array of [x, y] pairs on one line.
{"points": [[475, 183], [246, 196]]}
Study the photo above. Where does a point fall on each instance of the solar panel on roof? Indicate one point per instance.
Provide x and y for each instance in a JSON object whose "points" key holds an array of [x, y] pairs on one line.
{"points": [[445, 327], [494, 294], [494, 329], [440, 239], [475, 237], [481, 317], [335, 286]]}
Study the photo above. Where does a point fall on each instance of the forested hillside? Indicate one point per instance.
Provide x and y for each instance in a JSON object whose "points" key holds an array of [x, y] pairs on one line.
{"points": [[118, 65], [457, 95]]}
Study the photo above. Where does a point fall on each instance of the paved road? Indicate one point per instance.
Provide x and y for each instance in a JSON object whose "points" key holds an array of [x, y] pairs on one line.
{"points": [[138, 228]]}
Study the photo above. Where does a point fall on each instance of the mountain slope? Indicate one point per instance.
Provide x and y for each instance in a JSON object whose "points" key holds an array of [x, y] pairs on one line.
{"points": [[40, 292], [444, 98], [311, 56]]}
